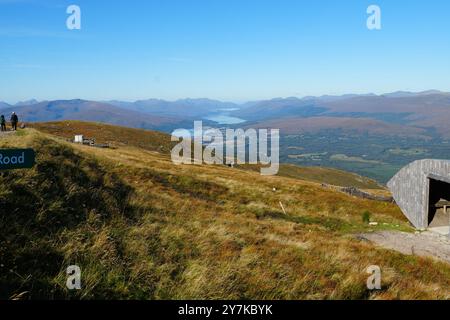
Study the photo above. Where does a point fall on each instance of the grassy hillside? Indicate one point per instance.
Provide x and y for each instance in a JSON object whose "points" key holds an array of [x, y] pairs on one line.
{"points": [[329, 176], [160, 142], [104, 133], [322, 175], [141, 228]]}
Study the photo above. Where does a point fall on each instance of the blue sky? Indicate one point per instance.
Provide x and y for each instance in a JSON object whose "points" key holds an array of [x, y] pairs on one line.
{"points": [[233, 50]]}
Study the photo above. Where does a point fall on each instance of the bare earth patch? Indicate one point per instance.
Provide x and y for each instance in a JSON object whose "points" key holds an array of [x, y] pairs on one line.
{"points": [[427, 244], [5, 134]]}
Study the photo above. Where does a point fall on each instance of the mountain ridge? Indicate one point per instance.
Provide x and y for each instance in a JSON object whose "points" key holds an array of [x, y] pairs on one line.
{"points": [[79, 109], [427, 110]]}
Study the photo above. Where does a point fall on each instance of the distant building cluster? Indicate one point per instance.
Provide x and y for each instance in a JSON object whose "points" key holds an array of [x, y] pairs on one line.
{"points": [[80, 139]]}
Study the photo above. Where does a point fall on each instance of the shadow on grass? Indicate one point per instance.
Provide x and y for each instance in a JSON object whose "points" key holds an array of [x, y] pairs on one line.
{"points": [[39, 205]]}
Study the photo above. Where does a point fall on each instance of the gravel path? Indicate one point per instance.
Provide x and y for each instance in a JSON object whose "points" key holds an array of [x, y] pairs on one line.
{"points": [[4, 134], [427, 243]]}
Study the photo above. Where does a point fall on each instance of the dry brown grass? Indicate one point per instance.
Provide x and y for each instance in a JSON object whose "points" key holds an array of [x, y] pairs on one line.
{"points": [[213, 232], [324, 175], [106, 133]]}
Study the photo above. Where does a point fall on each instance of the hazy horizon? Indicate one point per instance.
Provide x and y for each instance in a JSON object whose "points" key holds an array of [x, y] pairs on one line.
{"points": [[237, 102]]}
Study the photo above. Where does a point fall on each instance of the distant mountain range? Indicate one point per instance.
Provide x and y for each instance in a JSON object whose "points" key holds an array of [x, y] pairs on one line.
{"points": [[145, 114], [404, 113], [422, 112], [4, 105], [87, 111], [190, 108], [26, 103]]}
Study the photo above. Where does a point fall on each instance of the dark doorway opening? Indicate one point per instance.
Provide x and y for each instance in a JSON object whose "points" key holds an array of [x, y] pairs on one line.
{"points": [[439, 203]]}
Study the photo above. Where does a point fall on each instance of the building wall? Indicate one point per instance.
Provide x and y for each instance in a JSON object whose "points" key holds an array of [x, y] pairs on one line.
{"points": [[410, 188]]}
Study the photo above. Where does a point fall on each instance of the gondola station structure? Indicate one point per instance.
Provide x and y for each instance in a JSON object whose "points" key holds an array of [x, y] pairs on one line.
{"points": [[422, 191]]}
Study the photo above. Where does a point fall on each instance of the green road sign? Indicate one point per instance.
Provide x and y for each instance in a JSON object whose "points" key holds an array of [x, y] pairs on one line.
{"points": [[16, 158]]}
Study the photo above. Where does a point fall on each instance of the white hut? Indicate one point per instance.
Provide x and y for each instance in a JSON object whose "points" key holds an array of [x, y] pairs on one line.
{"points": [[78, 139]]}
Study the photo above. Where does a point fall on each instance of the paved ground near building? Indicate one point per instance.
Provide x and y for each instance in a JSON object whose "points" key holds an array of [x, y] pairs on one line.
{"points": [[431, 243]]}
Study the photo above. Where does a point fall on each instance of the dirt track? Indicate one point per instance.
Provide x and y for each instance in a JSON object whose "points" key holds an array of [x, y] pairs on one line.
{"points": [[421, 244], [6, 133]]}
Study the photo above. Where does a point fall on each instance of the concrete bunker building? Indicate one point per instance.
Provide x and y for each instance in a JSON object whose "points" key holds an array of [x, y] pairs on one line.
{"points": [[422, 191]]}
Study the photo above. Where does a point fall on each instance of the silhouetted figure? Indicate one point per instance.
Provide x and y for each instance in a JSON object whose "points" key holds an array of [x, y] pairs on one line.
{"points": [[3, 122], [14, 121]]}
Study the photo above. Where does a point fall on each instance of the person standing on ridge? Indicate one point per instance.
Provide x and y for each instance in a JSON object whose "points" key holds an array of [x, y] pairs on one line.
{"points": [[14, 121], [3, 123]]}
